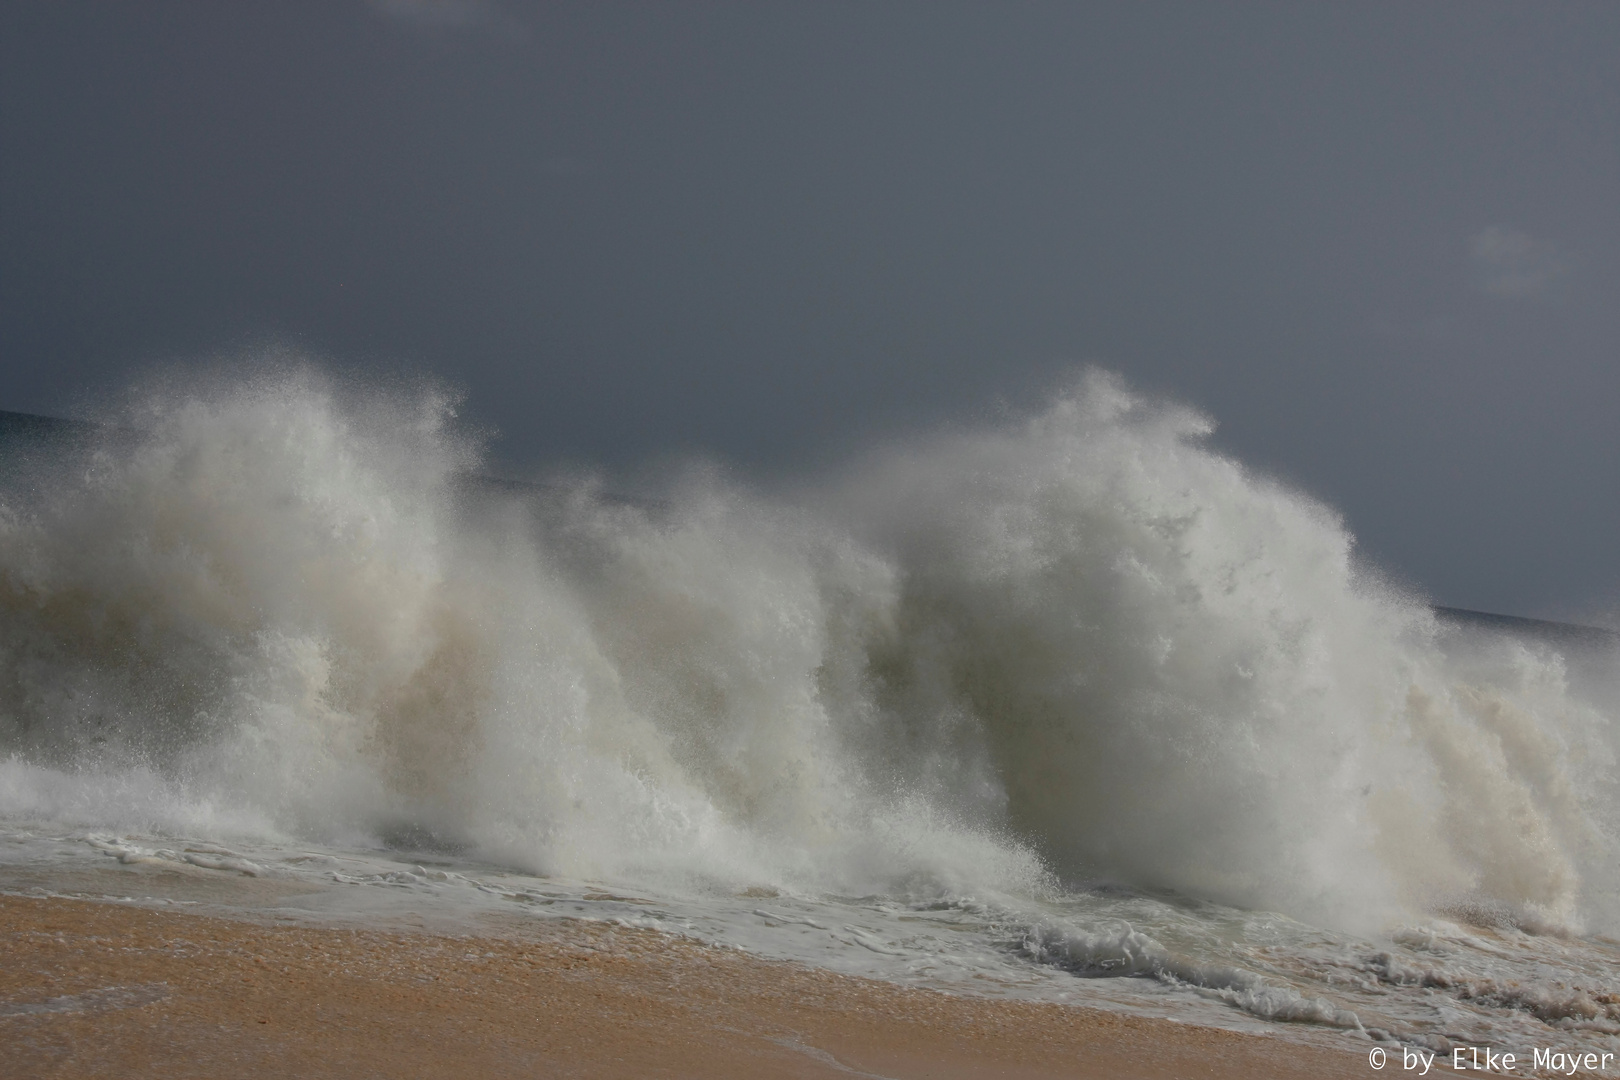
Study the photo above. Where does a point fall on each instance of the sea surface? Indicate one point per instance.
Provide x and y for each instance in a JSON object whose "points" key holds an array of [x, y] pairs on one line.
{"points": [[1069, 707]]}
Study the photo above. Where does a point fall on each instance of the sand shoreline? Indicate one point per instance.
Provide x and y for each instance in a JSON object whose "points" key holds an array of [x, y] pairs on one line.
{"points": [[91, 989]]}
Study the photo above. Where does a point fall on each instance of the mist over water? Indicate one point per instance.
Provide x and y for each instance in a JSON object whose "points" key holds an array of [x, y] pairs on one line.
{"points": [[1074, 648]]}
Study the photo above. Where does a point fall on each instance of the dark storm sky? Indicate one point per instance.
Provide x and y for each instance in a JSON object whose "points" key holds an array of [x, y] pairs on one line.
{"points": [[1379, 243]]}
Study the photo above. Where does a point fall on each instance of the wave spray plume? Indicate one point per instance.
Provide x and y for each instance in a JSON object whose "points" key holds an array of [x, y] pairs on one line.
{"points": [[1081, 647]]}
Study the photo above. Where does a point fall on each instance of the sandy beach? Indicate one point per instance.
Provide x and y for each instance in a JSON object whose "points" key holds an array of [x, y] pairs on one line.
{"points": [[91, 989]]}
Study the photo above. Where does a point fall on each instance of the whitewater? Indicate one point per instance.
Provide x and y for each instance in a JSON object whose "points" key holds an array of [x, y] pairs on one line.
{"points": [[1069, 706]]}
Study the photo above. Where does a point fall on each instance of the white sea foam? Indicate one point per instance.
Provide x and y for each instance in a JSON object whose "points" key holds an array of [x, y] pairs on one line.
{"points": [[1012, 662]]}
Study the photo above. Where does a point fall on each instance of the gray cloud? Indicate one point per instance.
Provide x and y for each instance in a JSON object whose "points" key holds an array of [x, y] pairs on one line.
{"points": [[1514, 264], [567, 165], [437, 12], [1374, 241]]}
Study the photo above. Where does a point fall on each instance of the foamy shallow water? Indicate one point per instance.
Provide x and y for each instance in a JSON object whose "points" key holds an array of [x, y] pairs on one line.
{"points": [[1438, 986]]}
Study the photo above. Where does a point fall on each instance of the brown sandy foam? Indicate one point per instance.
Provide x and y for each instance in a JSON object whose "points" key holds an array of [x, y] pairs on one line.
{"points": [[102, 989]]}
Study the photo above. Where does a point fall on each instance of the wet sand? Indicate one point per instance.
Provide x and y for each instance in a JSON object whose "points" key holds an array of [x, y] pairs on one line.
{"points": [[93, 989]]}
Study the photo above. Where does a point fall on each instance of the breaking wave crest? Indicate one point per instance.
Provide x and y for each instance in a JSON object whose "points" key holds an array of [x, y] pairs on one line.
{"points": [[1082, 646]]}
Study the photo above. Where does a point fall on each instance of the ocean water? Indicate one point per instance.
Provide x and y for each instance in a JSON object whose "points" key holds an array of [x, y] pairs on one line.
{"points": [[1070, 707]]}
